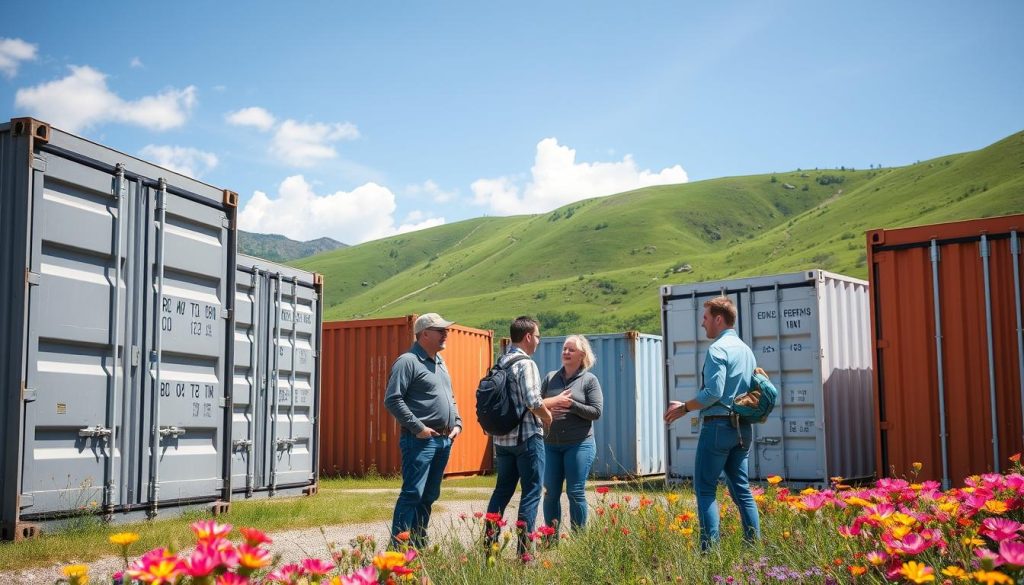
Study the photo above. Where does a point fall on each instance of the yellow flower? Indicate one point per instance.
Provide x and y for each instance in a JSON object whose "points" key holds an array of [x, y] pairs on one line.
{"points": [[991, 577], [858, 570], [672, 498], [855, 501], [917, 466], [785, 534], [904, 519], [808, 491], [388, 560], [972, 541], [955, 572], [898, 532], [77, 574], [123, 538], [774, 479], [995, 507], [917, 572]]}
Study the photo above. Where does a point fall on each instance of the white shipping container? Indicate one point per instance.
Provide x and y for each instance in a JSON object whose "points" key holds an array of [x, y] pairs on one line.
{"points": [[810, 331]]}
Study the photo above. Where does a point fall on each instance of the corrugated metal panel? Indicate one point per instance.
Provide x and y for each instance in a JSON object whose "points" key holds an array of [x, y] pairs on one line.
{"points": [[277, 324], [122, 344], [630, 434], [948, 349], [358, 432], [808, 330]]}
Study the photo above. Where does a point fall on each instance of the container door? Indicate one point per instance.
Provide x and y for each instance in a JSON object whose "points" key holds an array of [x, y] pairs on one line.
{"points": [[782, 329], [75, 376], [246, 386], [183, 397], [297, 358]]}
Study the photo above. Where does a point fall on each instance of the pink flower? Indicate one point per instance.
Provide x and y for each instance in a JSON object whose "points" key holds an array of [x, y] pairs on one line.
{"points": [[203, 560], [232, 579], [287, 574], [986, 555], [365, 576], [601, 489], [850, 531], [1000, 529], [210, 530], [546, 530], [317, 566], [1012, 552], [910, 545]]}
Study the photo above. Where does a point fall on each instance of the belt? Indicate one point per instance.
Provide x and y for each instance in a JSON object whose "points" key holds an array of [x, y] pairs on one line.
{"points": [[718, 417]]}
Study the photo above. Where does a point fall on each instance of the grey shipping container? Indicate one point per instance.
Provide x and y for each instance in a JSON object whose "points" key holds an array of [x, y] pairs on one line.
{"points": [[276, 397], [116, 332], [630, 434], [810, 331]]}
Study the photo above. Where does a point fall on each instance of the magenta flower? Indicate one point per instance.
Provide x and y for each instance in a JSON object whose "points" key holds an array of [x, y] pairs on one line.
{"points": [[203, 560], [1012, 552], [850, 531], [1000, 529], [232, 579], [317, 566], [209, 530], [286, 575], [365, 576], [909, 545], [986, 555]]}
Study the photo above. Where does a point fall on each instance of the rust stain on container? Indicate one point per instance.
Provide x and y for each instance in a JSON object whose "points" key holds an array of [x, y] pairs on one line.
{"points": [[358, 433], [947, 349]]}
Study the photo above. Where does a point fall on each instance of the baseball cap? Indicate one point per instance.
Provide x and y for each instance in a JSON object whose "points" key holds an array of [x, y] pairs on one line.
{"points": [[428, 320]]}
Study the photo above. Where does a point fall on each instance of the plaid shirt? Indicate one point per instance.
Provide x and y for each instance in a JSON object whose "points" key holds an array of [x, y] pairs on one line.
{"points": [[528, 376]]}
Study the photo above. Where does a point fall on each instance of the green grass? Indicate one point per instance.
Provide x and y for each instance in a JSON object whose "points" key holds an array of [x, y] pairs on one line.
{"points": [[597, 265]]}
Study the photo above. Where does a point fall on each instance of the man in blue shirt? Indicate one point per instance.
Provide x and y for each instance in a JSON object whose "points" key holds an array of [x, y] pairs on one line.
{"points": [[419, 395], [724, 442]]}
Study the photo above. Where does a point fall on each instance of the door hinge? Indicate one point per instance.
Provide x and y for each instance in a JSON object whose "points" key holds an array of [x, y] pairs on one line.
{"points": [[135, 355], [225, 313], [28, 394], [31, 278]]}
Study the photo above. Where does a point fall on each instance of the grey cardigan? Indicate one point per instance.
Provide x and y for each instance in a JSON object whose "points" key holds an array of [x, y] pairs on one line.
{"points": [[587, 402]]}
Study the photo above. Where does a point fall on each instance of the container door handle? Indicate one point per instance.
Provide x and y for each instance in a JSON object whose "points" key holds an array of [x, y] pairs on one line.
{"points": [[768, 440], [94, 431], [172, 431]]}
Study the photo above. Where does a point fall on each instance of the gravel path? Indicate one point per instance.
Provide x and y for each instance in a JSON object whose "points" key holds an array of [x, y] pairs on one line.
{"points": [[295, 545]]}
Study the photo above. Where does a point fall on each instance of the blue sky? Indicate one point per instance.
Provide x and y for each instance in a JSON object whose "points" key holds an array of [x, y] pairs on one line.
{"points": [[360, 120]]}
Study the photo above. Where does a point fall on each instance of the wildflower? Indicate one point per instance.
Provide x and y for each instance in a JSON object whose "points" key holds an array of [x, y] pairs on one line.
{"points": [[123, 538], [774, 479], [252, 557], [317, 566], [995, 507], [286, 574], [478, 515], [857, 570], [1012, 553], [388, 560], [877, 558], [991, 577], [672, 498], [210, 530], [232, 579], [403, 536], [255, 537], [203, 560], [1000, 529], [76, 574], [158, 566], [1015, 457], [546, 564], [917, 466], [955, 572], [601, 489], [917, 572]]}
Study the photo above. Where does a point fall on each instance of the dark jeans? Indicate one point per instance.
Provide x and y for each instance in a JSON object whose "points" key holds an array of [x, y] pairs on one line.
{"points": [[718, 451], [522, 464], [569, 464], [423, 463]]}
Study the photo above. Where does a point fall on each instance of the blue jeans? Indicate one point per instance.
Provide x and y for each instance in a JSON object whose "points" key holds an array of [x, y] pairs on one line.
{"points": [[718, 450], [423, 463], [522, 464], [570, 464]]}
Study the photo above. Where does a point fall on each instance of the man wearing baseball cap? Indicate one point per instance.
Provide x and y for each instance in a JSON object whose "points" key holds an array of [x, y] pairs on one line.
{"points": [[419, 395]]}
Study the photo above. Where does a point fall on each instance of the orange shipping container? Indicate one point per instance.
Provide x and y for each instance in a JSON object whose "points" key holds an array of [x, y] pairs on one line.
{"points": [[357, 432], [948, 349]]}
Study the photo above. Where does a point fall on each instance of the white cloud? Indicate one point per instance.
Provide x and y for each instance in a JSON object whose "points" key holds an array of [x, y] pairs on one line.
{"points": [[557, 179], [185, 160], [254, 116], [432, 190], [305, 145], [136, 63], [82, 100], [12, 53], [298, 212]]}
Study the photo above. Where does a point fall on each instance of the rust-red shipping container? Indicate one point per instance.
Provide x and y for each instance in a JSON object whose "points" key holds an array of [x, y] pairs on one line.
{"points": [[948, 348], [357, 432]]}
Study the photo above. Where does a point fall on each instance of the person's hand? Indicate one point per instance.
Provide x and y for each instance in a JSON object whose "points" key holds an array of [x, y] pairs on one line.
{"points": [[561, 404], [675, 411], [426, 433], [455, 433]]}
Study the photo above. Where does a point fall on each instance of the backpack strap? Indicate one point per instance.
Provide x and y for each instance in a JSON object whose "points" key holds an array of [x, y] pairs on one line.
{"points": [[508, 366]]}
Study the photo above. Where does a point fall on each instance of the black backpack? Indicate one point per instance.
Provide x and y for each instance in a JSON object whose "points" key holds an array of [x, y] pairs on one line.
{"points": [[495, 399]]}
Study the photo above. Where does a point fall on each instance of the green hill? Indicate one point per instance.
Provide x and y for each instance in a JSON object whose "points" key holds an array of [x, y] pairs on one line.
{"points": [[281, 249], [596, 265]]}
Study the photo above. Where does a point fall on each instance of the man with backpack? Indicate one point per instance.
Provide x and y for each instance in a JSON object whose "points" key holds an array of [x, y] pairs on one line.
{"points": [[419, 395], [724, 442], [519, 453]]}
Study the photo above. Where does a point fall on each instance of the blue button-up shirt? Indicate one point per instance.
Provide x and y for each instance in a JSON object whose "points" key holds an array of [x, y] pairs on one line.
{"points": [[728, 368]]}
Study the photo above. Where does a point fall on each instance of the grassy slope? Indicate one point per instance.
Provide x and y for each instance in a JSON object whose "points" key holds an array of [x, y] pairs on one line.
{"points": [[596, 265]]}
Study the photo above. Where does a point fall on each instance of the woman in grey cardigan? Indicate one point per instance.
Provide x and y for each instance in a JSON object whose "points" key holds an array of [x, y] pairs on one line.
{"points": [[574, 396]]}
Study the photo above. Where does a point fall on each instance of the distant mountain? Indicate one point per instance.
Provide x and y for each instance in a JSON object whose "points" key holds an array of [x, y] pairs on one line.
{"points": [[281, 249], [596, 266]]}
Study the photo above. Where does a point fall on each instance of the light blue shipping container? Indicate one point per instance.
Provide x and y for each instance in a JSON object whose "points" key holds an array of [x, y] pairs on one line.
{"points": [[630, 434]]}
